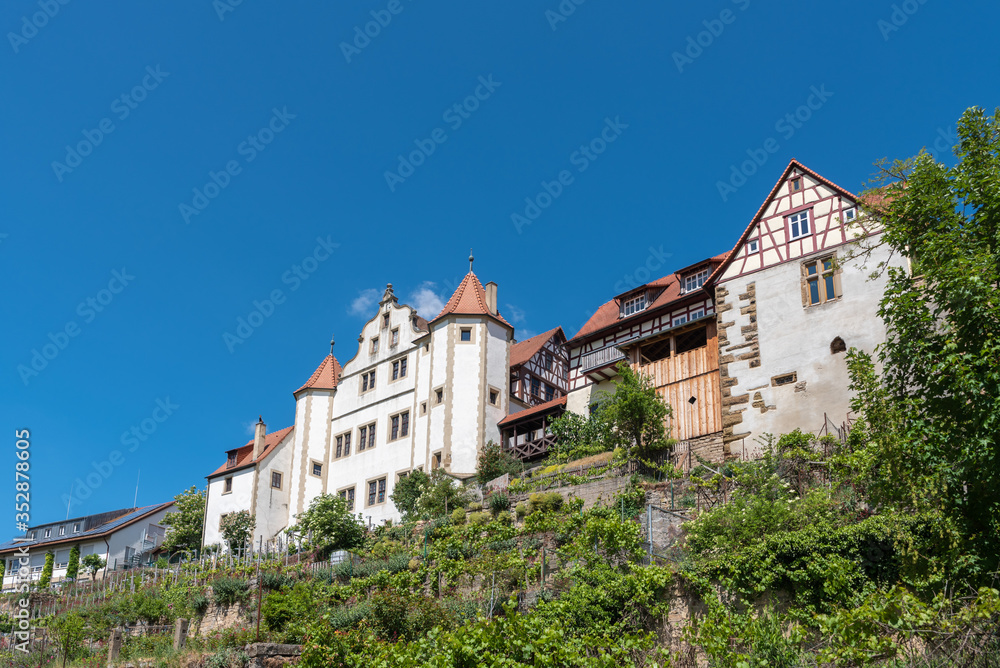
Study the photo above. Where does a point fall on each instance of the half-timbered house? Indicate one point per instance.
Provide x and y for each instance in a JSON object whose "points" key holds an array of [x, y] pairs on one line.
{"points": [[791, 299]]}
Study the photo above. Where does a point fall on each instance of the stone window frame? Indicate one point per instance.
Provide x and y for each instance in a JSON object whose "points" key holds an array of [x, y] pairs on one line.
{"points": [[227, 485], [490, 391], [400, 368], [394, 338], [438, 393], [346, 436], [373, 346], [437, 459], [786, 379], [822, 273], [408, 426], [367, 382], [281, 479], [384, 479], [365, 439], [313, 463], [343, 493], [462, 329]]}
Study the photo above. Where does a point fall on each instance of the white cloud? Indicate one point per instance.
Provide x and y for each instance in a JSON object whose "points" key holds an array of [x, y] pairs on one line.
{"points": [[525, 334], [364, 304], [426, 300], [513, 314]]}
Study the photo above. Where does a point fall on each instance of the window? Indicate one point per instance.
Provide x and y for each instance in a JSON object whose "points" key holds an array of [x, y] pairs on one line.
{"points": [[317, 469], [549, 392], [547, 361], [394, 338], [796, 185], [275, 480], [439, 395], [348, 496], [837, 346], [798, 225], [695, 280], [680, 319], [399, 425], [76, 527], [697, 313], [466, 334], [374, 345], [229, 485], [343, 445], [399, 369], [31, 535], [822, 284], [633, 305], [367, 381], [48, 532], [535, 386], [385, 321], [494, 397], [436, 463], [752, 246], [366, 437], [62, 531], [785, 379], [376, 491], [691, 340], [231, 460], [850, 214], [423, 407]]}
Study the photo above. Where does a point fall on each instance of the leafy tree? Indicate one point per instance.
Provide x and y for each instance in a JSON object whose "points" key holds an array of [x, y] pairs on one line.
{"points": [[185, 527], [407, 492], [68, 633], [443, 494], [929, 437], [93, 563], [494, 462], [74, 563], [237, 528], [332, 525], [46, 578]]}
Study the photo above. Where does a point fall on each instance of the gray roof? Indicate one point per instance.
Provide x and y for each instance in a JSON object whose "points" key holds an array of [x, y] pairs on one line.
{"points": [[100, 530]]}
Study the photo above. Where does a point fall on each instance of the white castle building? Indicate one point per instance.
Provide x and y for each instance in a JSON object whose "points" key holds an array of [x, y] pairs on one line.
{"points": [[417, 394]]}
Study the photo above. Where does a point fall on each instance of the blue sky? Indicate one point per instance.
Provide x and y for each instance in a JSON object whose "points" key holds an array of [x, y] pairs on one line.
{"points": [[165, 167]]}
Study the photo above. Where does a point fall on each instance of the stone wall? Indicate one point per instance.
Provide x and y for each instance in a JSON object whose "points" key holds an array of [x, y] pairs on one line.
{"points": [[743, 347]]}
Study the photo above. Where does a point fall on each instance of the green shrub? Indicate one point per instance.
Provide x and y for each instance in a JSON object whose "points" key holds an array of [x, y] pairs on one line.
{"points": [[458, 516], [229, 657], [479, 518], [276, 581], [162, 563], [521, 509], [474, 506], [499, 503], [544, 502], [199, 603], [227, 591]]}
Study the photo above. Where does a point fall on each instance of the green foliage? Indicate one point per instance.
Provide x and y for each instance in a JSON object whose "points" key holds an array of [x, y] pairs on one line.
{"points": [[332, 525], [521, 509], [544, 502], [73, 567], [442, 496], [736, 640], [458, 516], [499, 502], [637, 414], [228, 657], [93, 563], [198, 602], [237, 528], [929, 438], [184, 527], [226, 591], [162, 563], [46, 577], [275, 581], [68, 633], [494, 462], [578, 437], [281, 608], [478, 518], [407, 492]]}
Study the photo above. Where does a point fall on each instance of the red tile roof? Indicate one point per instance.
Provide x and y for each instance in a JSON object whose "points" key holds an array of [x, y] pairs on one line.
{"points": [[607, 314], [770, 196], [244, 454], [325, 377], [534, 410], [522, 351], [469, 299]]}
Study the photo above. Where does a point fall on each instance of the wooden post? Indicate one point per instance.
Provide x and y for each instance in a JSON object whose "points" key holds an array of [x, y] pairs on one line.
{"points": [[180, 633], [114, 646]]}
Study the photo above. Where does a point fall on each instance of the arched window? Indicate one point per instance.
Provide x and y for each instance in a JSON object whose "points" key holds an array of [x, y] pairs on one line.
{"points": [[837, 346]]}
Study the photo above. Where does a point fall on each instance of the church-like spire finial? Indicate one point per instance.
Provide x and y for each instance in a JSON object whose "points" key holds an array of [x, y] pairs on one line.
{"points": [[471, 258], [331, 345]]}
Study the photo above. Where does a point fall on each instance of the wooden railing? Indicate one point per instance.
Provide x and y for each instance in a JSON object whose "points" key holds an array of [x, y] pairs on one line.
{"points": [[601, 357]]}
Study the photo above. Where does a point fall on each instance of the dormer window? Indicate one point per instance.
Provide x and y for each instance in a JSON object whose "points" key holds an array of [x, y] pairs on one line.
{"points": [[633, 305], [231, 461], [695, 280]]}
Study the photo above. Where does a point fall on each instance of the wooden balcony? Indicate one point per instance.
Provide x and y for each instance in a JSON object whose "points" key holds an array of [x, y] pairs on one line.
{"points": [[600, 358], [531, 449]]}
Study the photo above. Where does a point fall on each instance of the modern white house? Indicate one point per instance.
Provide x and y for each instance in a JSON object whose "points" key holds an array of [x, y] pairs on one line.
{"points": [[791, 299], [416, 394], [123, 538]]}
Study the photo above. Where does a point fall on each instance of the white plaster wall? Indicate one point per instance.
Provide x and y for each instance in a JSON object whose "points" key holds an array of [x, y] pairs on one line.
{"points": [[313, 409], [219, 503], [793, 338], [466, 396], [497, 375], [273, 504]]}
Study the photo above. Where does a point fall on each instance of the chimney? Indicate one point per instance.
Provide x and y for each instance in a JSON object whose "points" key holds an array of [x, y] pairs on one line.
{"points": [[260, 430], [491, 297]]}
